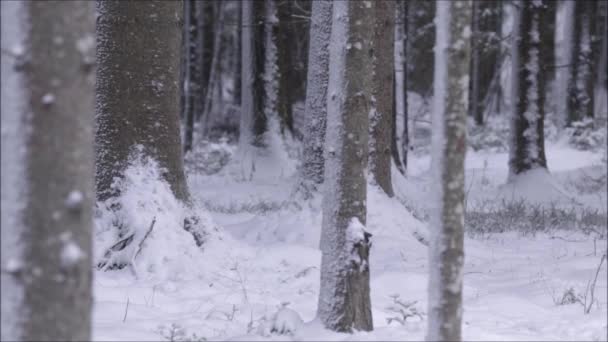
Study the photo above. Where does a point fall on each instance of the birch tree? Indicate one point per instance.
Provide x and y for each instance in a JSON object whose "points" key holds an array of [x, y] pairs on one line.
{"points": [[344, 298], [527, 146], [47, 168], [316, 92], [381, 119], [137, 91], [446, 250]]}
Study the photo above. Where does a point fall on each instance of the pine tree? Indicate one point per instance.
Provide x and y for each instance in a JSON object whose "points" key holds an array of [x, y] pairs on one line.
{"points": [[527, 150], [316, 92], [137, 91], [446, 250], [381, 119], [344, 298], [47, 169]]}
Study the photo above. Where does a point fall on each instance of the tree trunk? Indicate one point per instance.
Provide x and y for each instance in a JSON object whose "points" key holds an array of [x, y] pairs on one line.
{"points": [[405, 137], [475, 109], [601, 72], [527, 149], [285, 64], [215, 74], [581, 82], [253, 119], [192, 70], [446, 250], [237, 52], [344, 298], [137, 92], [48, 278], [316, 92], [381, 119], [206, 37]]}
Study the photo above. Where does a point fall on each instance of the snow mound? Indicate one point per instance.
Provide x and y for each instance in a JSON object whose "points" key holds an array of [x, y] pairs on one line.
{"points": [[535, 186], [143, 228]]}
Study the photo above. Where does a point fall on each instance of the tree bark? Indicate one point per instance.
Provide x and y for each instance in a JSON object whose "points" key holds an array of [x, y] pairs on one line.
{"points": [[344, 299], [475, 109], [54, 223], [137, 91], [285, 64], [253, 118], [381, 121], [316, 92], [580, 97], [527, 150], [206, 37], [192, 70], [446, 250], [405, 136]]}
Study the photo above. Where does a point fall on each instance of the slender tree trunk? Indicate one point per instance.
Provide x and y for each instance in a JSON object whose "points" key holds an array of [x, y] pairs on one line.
{"points": [[405, 136], [136, 107], [527, 150], [50, 271], [253, 119], [192, 86], [446, 250], [475, 109], [581, 82], [344, 298], [316, 92], [381, 121], [601, 72], [237, 48], [394, 148], [206, 23], [285, 64], [215, 74]]}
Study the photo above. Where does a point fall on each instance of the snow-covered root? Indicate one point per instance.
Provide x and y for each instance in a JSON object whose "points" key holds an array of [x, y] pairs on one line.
{"points": [[146, 228]]}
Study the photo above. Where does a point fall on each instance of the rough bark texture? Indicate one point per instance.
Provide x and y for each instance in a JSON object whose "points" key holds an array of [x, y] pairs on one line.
{"points": [[381, 120], [59, 81], [580, 92], [446, 250], [344, 299], [316, 91], [137, 91], [528, 96], [192, 69]]}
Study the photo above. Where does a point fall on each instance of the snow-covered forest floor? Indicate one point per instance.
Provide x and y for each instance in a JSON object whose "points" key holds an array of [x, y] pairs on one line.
{"points": [[528, 263]]}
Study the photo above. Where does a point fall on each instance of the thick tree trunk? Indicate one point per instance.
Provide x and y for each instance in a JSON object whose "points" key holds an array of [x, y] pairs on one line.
{"points": [[527, 150], [316, 92], [53, 266], [137, 91], [446, 250], [344, 299], [381, 120]]}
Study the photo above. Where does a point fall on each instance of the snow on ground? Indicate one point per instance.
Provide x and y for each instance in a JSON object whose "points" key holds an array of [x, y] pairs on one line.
{"points": [[265, 259]]}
